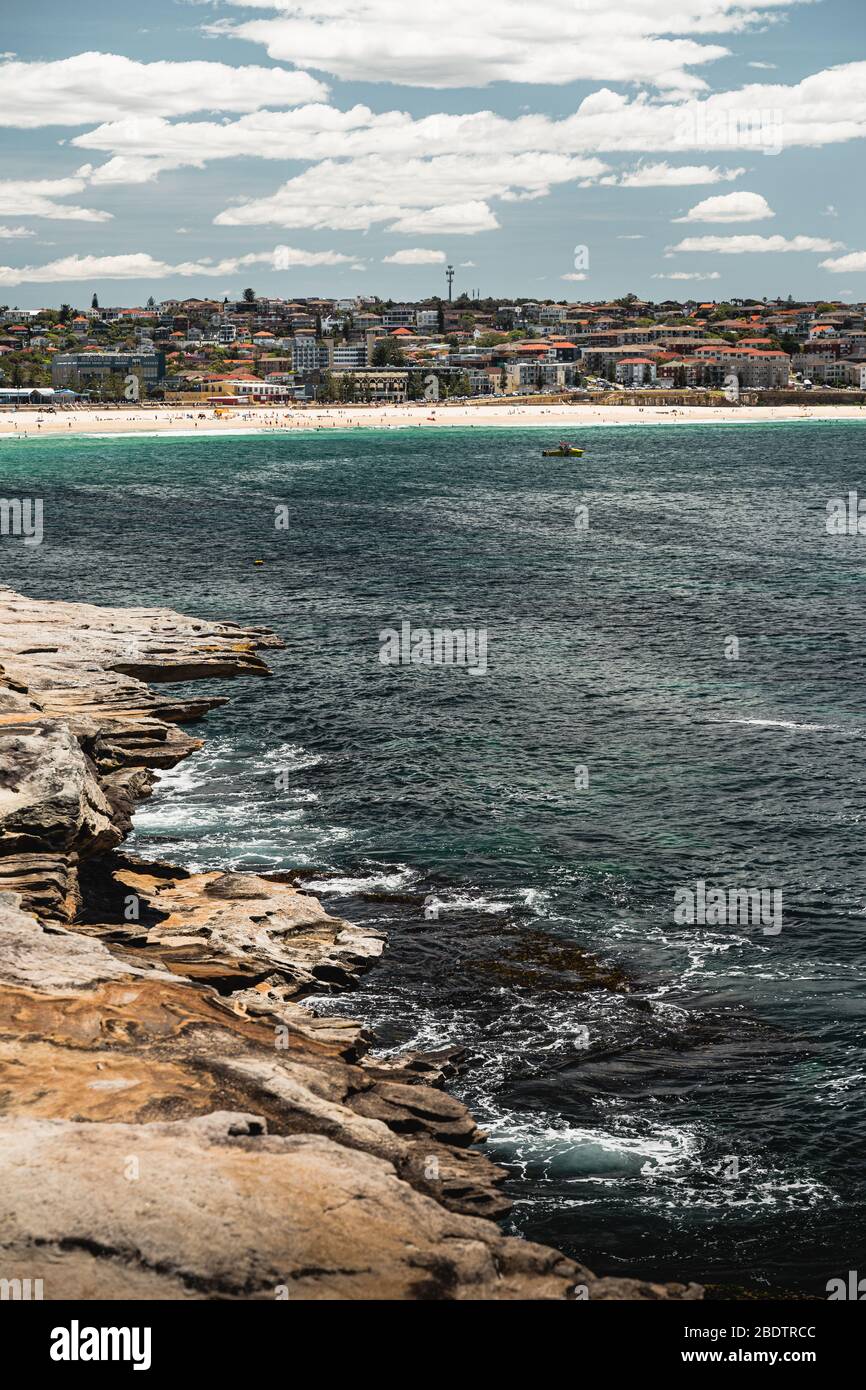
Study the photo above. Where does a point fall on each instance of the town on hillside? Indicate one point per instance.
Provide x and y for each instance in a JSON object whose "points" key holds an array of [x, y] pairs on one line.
{"points": [[265, 350]]}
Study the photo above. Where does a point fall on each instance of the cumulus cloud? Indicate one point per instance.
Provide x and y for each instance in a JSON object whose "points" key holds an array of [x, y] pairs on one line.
{"points": [[436, 176], [415, 255], [464, 218], [730, 207], [36, 198], [664, 175], [855, 260], [446, 194], [452, 44], [105, 86], [138, 265], [687, 275], [825, 108], [13, 233], [575, 275], [747, 244]]}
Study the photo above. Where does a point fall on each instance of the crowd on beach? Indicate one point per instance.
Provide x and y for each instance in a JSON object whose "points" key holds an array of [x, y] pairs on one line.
{"points": [[27, 424]]}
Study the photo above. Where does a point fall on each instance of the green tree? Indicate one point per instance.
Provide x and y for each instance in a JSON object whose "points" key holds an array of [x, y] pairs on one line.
{"points": [[249, 296], [387, 353]]}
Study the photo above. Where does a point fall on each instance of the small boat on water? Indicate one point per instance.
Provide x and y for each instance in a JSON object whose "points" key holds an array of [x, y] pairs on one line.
{"points": [[563, 451]]}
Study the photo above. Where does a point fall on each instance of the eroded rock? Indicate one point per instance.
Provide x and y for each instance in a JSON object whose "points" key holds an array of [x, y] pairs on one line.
{"points": [[173, 1122]]}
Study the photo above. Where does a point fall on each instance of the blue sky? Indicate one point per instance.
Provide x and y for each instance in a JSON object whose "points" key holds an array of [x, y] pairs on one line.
{"points": [[554, 149]]}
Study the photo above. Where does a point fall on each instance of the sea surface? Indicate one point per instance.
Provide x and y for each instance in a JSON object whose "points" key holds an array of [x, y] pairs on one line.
{"points": [[677, 1101]]}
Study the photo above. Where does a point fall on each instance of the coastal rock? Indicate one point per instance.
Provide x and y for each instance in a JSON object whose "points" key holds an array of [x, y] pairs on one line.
{"points": [[267, 1217], [174, 1123], [49, 796]]}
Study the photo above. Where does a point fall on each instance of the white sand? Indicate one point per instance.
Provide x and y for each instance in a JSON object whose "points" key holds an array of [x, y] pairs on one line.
{"points": [[563, 421]]}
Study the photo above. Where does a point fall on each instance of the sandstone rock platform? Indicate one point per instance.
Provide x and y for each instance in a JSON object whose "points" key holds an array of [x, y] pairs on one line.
{"points": [[174, 1123]]}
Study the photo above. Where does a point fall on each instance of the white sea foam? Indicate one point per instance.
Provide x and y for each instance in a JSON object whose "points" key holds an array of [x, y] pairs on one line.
{"points": [[389, 880], [789, 724]]}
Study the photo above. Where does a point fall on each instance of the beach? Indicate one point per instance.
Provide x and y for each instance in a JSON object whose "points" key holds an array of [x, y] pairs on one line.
{"points": [[567, 418]]}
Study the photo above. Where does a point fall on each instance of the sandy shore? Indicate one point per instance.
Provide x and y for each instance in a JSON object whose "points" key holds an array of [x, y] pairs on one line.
{"points": [[561, 420]]}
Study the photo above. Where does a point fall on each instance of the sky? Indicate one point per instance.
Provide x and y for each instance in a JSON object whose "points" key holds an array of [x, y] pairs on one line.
{"points": [[549, 149]]}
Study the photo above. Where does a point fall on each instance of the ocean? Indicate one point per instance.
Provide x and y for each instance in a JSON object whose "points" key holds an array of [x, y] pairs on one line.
{"points": [[673, 697]]}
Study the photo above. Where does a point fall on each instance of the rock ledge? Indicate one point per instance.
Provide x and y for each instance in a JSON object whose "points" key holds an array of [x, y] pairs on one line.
{"points": [[174, 1124]]}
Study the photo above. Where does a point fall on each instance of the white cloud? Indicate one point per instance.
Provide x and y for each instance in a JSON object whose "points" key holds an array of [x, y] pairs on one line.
{"points": [[283, 257], [664, 175], [730, 207], [748, 244], [830, 211], [452, 44], [446, 194], [688, 275], [467, 265], [631, 236], [105, 87], [855, 260], [139, 265], [463, 218], [13, 233], [769, 67], [575, 275], [415, 255], [35, 198], [827, 107]]}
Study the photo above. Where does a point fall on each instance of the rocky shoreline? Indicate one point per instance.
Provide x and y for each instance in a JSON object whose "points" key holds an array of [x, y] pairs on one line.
{"points": [[174, 1124]]}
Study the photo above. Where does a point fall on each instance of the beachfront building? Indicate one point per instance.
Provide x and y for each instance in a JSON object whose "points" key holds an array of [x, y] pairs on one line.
{"points": [[758, 369], [636, 371], [35, 395], [91, 370], [373, 384]]}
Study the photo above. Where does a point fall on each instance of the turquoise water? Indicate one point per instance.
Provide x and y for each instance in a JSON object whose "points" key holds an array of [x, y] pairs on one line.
{"points": [[680, 1101]]}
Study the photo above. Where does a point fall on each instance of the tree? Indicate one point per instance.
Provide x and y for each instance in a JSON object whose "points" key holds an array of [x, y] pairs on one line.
{"points": [[386, 353], [65, 313], [94, 303], [249, 296], [151, 302]]}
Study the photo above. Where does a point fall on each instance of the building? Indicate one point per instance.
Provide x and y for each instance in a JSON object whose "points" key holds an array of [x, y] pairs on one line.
{"points": [[401, 316], [347, 355], [636, 371], [307, 355], [90, 370], [376, 384], [35, 395]]}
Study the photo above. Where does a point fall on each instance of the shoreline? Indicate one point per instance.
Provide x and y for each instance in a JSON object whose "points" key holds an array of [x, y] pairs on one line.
{"points": [[177, 422]]}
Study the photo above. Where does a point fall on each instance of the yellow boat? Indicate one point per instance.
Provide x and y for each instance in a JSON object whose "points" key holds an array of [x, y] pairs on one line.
{"points": [[563, 451]]}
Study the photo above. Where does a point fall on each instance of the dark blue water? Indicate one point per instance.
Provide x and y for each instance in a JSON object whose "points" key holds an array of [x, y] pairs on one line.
{"points": [[675, 1101]]}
